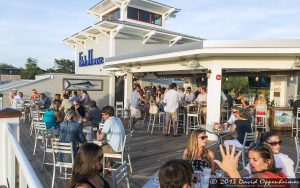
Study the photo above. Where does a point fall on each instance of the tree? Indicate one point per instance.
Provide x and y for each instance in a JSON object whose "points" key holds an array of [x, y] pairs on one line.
{"points": [[31, 69], [236, 84], [4, 65], [64, 66]]}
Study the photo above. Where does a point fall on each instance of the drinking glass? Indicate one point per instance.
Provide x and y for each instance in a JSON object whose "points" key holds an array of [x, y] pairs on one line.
{"points": [[205, 177]]}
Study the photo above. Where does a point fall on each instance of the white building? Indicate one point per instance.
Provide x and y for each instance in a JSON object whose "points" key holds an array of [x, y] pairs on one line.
{"points": [[130, 38], [123, 27]]}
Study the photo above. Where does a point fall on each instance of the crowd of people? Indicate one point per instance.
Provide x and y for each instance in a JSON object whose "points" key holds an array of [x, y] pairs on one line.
{"points": [[66, 116], [166, 100]]}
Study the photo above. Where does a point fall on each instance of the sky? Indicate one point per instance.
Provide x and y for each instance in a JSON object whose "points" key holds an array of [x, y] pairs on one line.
{"points": [[36, 28]]}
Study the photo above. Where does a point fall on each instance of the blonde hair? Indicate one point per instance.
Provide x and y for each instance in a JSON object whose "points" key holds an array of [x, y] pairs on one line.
{"points": [[193, 148], [54, 106], [261, 99], [70, 115]]}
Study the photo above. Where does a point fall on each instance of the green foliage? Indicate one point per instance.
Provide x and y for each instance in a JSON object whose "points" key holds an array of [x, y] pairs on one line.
{"points": [[64, 66], [4, 65], [31, 69], [236, 84]]}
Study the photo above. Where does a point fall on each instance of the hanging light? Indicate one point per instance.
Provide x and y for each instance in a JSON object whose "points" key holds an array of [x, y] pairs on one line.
{"points": [[202, 79], [256, 78], [125, 76], [292, 78], [226, 79]]}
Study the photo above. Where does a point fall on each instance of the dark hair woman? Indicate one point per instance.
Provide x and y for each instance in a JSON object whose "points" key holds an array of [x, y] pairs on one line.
{"points": [[261, 159], [87, 165]]}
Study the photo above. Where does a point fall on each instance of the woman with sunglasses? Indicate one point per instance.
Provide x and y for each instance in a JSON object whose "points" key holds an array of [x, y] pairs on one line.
{"points": [[261, 160], [197, 153], [87, 168], [282, 161]]}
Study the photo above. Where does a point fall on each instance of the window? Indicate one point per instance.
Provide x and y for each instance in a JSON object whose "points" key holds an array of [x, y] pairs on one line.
{"points": [[156, 19], [133, 13], [113, 15], [143, 16]]}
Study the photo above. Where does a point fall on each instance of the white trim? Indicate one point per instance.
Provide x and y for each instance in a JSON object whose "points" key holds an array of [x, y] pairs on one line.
{"points": [[79, 42], [148, 36], [169, 12], [116, 31], [174, 40], [11, 149], [210, 52]]}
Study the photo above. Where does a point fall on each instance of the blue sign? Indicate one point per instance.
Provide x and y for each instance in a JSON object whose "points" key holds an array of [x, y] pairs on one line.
{"points": [[87, 61]]}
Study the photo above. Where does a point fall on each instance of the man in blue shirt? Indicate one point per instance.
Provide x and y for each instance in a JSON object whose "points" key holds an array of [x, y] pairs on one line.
{"points": [[135, 107], [113, 130], [46, 102]]}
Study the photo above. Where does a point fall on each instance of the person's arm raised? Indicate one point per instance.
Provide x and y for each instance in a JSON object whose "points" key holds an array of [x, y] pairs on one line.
{"points": [[229, 162]]}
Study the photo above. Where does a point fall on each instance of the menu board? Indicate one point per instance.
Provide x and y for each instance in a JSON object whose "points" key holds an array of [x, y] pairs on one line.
{"points": [[283, 118]]}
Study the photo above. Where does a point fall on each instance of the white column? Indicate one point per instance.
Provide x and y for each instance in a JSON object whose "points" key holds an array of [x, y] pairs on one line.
{"points": [[111, 95], [127, 90], [213, 98], [296, 87], [111, 45]]}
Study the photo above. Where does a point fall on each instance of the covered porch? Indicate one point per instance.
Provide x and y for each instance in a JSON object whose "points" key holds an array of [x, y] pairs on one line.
{"points": [[212, 60]]}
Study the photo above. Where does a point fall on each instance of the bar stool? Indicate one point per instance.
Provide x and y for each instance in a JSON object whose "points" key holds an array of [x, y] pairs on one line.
{"points": [[181, 119], [295, 125], [261, 114], [195, 116], [225, 112], [119, 109], [156, 120]]}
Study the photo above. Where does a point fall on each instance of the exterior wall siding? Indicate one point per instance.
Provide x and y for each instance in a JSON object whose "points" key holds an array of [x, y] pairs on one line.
{"points": [[125, 45], [43, 86], [100, 49]]}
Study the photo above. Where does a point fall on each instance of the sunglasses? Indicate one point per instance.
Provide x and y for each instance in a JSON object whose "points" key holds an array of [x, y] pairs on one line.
{"points": [[235, 112], [203, 137], [275, 143]]}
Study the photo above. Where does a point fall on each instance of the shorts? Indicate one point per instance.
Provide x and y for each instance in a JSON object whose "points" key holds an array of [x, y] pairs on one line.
{"points": [[172, 114], [204, 110], [135, 113]]}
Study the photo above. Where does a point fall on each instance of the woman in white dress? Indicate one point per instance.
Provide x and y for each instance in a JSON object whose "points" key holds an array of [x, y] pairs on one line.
{"points": [[282, 161]]}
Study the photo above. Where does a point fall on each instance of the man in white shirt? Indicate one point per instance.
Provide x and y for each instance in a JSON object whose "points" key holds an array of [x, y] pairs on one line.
{"points": [[181, 94], [201, 98], [171, 99], [17, 100]]}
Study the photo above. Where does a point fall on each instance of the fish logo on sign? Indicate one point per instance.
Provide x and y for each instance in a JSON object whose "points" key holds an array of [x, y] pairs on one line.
{"points": [[80, 85], [87, 61]]}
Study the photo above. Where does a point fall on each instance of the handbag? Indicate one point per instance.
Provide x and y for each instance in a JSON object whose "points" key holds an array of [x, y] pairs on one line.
{"points": [[153, 109]]}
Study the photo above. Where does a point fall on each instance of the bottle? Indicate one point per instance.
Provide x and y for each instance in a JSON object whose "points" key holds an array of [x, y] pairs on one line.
{"points": [[89, 133]]}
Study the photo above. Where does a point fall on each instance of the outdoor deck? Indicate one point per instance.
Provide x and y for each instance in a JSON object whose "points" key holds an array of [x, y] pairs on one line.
{"points": [[148, 153]]}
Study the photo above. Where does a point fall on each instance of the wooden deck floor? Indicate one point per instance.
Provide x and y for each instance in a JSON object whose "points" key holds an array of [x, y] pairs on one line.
{"points": [[148, 153]]}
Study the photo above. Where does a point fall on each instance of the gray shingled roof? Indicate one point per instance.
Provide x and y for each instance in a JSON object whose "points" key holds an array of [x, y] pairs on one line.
{"points": [[177, 48]]}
